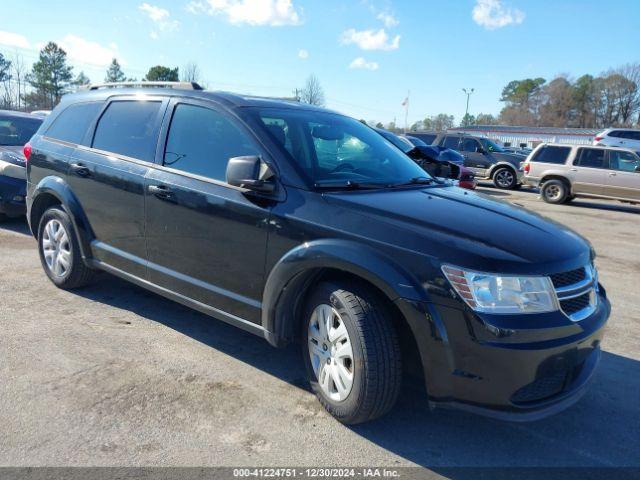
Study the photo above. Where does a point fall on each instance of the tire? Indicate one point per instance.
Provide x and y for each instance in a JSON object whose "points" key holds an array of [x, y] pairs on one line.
{"points": [[364, 350], [505, 178], [60, 252], [554, 191]]}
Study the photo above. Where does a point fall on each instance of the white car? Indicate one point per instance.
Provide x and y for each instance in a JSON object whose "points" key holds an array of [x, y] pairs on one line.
{"points": [[619, 137]]}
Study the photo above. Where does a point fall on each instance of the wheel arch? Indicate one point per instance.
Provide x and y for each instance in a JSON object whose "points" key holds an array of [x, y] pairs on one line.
{"points": [[52, 191], [499, 165], [290, 279]]}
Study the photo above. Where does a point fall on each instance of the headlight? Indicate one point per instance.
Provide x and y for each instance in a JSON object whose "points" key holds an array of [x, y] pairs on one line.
{"points": [[507, 294]]}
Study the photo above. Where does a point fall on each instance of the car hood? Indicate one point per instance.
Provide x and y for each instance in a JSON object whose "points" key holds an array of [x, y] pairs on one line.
{"points": [[465, 228]]}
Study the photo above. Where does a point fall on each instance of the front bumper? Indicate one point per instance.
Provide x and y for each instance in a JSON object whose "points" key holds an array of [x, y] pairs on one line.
{"points": [[13, 192], [512, 374]]}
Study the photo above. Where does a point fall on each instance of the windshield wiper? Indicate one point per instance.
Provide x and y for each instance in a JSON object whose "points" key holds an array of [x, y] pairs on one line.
{"points": [[349, 185], [415, 181]]}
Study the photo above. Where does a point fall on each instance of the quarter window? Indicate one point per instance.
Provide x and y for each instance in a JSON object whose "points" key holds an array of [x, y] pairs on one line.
{"points": [[623, 161], [129, 128], [550, 154], [201, 141], [590, 157], [72, 124]]}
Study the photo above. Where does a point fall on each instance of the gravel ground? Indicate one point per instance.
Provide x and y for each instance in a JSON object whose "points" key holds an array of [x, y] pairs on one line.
{"points": [[114, 375]]}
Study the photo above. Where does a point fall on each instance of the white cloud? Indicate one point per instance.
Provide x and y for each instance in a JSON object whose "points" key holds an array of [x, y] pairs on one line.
{"points": [[360, 62], [370, 39], [85, 51], [389, 20], [303, 54], [153, 35], [9, 39], [160, 16], [492, 14], [274, 13]]}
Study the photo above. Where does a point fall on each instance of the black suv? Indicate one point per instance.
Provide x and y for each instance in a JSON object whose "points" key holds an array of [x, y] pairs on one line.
{"points": [[486, 158], [302, 225]]}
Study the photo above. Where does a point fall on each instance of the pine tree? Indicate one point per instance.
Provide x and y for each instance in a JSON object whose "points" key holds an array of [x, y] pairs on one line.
{"points": [[114, 73]]}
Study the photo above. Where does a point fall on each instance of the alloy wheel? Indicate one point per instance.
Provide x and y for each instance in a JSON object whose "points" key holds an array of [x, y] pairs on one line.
{"points": [[331, 352], [504, 178], [56, 248], [553, 192]]}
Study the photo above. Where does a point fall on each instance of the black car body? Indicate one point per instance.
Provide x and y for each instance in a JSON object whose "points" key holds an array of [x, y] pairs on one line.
{"points": [[251, 248], [16, 129], [486, 158]]}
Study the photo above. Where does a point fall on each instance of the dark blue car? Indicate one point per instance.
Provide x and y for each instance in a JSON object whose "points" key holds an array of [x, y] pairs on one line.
{"points": [[15, 130]]}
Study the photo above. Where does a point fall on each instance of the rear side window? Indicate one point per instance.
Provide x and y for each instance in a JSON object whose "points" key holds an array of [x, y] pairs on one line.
{"points": [[201, 141], [616, 134], [128, 128], [72, 124], [590, 157], [550, 154], [451, 142]]}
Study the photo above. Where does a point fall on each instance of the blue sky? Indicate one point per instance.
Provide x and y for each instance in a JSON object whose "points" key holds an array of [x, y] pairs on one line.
{"points": [[367, 53]]}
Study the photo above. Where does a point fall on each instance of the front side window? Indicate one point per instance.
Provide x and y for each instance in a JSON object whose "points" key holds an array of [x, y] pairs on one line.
{"points": [[72, 124], [451, 142], [470, 145], [129, 128], [15, 131], [590, 157], [331, 149], [201, 141], [624, 161], [551, 154], [491, 146]]}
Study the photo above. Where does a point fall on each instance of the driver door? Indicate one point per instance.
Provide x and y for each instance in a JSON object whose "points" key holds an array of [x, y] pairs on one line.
{"points": [[474, 156]]}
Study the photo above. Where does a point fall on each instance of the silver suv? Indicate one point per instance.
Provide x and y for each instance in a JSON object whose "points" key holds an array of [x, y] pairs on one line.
{"points": [[564, 172]]}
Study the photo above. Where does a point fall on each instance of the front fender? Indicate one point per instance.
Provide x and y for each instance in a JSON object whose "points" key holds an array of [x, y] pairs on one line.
{"points": [[58, 188], [296, 269]]}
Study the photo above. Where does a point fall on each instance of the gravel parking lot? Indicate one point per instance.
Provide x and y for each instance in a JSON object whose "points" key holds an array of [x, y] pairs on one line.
{"points": [[114, 375]]}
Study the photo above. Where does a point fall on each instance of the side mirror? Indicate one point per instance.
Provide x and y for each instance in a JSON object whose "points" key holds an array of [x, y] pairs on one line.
{"points": [[637, 169], [252, 173]]}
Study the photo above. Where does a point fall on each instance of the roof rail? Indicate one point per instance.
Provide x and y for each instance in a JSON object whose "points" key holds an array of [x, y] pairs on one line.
{"points": [[143, 84]]}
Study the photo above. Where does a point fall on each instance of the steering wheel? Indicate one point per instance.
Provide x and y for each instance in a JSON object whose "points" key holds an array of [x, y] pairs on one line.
{"points": [[342, 167]]}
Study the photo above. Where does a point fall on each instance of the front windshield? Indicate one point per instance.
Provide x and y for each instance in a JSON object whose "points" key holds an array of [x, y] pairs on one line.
{"points": [[332, 149], [15, 131], [491, 146]]}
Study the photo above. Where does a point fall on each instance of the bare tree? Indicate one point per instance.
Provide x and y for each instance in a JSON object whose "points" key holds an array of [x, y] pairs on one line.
{"points": [[20, 79], [191, 72], [312, 92]]}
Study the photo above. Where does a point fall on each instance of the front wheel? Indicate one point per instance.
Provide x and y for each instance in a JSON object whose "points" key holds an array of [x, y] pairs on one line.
{"points": [[505, 178], [351, 352]]}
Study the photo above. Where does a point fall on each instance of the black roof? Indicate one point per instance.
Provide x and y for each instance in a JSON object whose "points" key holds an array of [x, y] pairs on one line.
{"points": [[231, 100]]}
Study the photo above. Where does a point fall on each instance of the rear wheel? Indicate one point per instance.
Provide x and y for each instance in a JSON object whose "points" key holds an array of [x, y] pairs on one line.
{"points": [[554, 191], [505, 178], [351, 352], [60, 252]]}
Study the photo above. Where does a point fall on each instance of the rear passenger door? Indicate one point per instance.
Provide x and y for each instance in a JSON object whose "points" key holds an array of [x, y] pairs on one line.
{"points": [[589, 174], [623, 179], [107, 176], [206, 239]]}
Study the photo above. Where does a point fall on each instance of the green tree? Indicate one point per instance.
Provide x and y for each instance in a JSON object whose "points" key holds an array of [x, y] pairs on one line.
{"points": [[467, 120], [486, 119], [81, 80], [584, 101], [5, 80], [521, 92], [161, 73], [50, 77], [438, 123], [114, 73]]}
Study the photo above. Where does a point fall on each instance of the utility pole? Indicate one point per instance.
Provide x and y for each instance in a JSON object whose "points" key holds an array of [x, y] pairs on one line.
{"points": [[466, 112]]}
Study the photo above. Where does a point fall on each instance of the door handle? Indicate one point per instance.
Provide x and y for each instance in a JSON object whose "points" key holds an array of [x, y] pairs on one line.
{"points": [[573, 169], [612, 174], [80, 169], [161, 191]]}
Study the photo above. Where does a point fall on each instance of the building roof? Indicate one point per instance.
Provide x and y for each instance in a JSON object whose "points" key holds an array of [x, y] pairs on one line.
{"points": [[515, 130]]}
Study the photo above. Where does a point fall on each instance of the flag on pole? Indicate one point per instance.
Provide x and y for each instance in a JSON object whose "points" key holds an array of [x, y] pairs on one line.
{"points": [[406, 102]]}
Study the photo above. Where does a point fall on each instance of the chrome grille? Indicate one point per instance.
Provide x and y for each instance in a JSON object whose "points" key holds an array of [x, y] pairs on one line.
{"points": [[577, 292]]}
